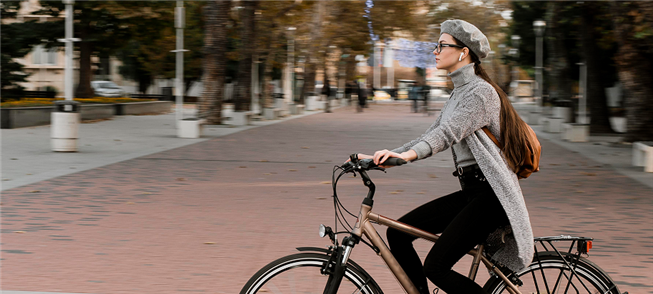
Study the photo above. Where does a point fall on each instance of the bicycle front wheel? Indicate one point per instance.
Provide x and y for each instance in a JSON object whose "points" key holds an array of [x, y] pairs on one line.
{"points": [[300, 273], [552, 274]]}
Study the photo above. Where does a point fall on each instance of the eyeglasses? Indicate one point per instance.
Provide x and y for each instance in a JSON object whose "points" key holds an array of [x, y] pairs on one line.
{"points": [[438, 47]]}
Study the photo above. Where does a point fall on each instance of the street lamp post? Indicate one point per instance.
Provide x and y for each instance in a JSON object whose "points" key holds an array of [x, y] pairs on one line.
{"points": [[180, 21], [582, 94], [378, 47], [515, 70], [539, 26], [291, 64]]}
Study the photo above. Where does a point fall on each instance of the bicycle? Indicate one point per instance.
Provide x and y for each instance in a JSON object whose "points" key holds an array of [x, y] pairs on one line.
{"points": [[316, 270]]}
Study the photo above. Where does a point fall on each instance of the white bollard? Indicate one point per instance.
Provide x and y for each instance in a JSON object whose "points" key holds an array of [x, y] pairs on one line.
{"points": [[64, 129]]}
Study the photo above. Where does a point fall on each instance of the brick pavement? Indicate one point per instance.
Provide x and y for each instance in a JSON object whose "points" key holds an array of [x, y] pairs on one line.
{"points": [[205, 217]]}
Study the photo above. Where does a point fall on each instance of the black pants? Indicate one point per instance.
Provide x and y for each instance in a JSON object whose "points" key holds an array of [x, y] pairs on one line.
{"points": [[465, 219]]}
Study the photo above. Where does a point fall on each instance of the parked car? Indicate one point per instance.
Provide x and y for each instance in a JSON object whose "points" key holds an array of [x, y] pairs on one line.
{"points": [[107, 89]]}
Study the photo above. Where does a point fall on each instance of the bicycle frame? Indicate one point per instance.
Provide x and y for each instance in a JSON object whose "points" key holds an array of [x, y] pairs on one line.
{"points": [[364, 226]]}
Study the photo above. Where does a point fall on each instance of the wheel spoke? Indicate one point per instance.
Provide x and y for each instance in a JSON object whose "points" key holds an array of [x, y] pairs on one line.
{"points": [[300, 274], [583, 277]]}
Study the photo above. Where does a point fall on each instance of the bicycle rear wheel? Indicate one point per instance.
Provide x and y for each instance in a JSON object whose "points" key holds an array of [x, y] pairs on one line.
{"points": [[551, 274], [300, 273]]}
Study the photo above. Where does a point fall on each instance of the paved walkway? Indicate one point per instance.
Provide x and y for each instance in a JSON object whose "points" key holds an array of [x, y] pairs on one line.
{"points": [[204, 217]]}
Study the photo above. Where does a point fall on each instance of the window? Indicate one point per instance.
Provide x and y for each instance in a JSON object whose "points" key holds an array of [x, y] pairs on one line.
{"points": [[44, 56]]}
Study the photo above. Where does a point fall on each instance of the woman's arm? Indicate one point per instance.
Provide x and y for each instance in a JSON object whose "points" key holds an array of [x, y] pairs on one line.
{"points": [[469, 115]]}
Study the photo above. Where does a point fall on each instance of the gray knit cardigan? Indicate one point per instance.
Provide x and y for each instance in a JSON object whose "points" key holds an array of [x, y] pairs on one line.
{"points": [[477, 106]]}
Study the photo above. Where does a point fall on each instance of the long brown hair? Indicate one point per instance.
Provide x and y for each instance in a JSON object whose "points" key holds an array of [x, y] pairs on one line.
{"points": [[514, 130]]}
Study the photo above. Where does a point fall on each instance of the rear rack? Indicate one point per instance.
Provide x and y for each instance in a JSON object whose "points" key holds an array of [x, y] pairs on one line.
{"points": [[584, 244]]}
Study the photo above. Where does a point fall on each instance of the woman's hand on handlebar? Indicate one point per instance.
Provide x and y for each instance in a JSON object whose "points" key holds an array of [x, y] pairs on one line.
{"points": [[382, 155]]}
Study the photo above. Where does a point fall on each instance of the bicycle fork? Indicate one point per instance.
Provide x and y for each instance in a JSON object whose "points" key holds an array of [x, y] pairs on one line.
{"points": [[337, 264]]}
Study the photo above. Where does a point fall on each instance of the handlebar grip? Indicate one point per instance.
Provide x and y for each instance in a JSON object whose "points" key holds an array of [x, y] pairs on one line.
{"points": [[394, 161]]}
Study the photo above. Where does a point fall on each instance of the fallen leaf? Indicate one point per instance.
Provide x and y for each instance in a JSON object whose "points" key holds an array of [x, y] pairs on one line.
{"points": [[588, 174], [181, 179], [35, 191], [304, 147], [326, 182], [433, 176], [311, 167], [242, 166], [327, 161], [209, 243], [131, 203], [292, 170], [321, 198], [19, 232]]}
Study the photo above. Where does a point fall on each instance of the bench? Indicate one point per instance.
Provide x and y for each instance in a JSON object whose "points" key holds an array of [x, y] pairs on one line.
{"points": [[552, 124], [643, 155], [576, 132], [239, 118], [296, 108], [271, 113]]}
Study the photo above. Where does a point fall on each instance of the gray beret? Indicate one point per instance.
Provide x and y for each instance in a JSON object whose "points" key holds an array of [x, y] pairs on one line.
{"points": [[469, 34]]}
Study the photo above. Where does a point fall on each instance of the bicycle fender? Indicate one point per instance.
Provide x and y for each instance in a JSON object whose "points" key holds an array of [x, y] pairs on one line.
{"points": [[314, 249]]}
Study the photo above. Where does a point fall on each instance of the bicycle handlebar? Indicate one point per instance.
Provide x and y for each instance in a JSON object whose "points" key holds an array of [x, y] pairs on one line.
{"points": [[368, 164]]}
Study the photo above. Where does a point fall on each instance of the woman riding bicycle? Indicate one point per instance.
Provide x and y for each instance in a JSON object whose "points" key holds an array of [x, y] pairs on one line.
{"points": [[490, 201]]}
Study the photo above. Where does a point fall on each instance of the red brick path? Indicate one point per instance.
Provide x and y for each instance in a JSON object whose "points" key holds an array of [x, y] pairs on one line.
{"points": [[205, 217]]}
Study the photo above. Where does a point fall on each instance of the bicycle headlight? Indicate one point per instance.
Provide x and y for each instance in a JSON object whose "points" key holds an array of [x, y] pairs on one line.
{"points": [[322, 231]]}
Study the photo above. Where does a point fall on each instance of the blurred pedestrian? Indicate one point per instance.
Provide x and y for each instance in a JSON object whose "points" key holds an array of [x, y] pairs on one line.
{"points": [[326, 91], [362, 96], [426, 92], [350, 88], [414, 95], [490, 201]]}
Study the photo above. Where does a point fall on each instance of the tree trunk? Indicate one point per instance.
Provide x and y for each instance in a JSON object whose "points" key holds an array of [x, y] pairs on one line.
{"points": [[309, 82], [597, 101], [84, 89], [215, 46], [267, 89], [244, 88], [634, 64], [559, 83], [311, 59]]}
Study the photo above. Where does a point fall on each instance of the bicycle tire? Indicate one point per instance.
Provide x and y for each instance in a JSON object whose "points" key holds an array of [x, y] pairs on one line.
{"points": [[556, 279], [310, 264]]}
